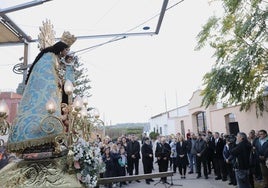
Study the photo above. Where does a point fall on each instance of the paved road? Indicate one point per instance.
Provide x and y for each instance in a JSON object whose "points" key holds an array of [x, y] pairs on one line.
{"points": [[189, 182]]}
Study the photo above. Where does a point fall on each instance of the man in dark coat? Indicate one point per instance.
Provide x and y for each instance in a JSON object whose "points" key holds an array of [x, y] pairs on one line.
{"points": [[220, 169], [133, 156], [210, 151], [147, 158], [200, 148], [162, 153], [242, 152]]}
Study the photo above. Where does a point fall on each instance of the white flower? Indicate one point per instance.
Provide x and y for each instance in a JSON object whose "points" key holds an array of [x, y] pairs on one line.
{"points": [[76, 158], [84, 153], [88, 178]]}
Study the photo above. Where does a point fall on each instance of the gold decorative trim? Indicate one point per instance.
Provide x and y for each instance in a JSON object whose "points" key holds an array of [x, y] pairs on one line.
{"points": [[46, 36], [68, 38], [16, 147], [38, 173]]}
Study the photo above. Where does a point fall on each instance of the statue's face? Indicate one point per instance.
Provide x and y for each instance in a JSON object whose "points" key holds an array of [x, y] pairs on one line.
{"points": [[64, 52]]}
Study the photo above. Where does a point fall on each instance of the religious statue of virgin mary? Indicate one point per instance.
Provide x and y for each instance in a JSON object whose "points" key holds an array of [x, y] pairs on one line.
{"points": [[32, 131]]}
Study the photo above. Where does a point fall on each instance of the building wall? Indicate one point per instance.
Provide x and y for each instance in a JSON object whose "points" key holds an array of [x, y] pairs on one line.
{"points": [[12, 99], [183, 122], [157, 123], [246, 120], [185, 117], [171, 126]]}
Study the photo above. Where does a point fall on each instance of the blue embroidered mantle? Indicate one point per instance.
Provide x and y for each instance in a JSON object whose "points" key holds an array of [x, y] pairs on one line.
{"points": [[32, 126]]}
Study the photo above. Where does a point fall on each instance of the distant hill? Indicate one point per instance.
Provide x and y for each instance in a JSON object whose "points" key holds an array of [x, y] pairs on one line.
{"points": [[114, 131], [129, 125]]}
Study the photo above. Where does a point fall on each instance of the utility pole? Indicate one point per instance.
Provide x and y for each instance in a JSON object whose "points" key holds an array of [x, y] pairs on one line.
{"points": [[165, 102], [177, 105]]}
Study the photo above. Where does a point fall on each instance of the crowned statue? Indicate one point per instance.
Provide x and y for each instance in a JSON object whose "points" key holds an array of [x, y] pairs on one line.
{"points": [[33, 130], [49, 129]]}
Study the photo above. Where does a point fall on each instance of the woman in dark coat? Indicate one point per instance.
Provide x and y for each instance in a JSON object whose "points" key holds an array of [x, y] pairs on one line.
{"points": [[108, 159], [182, 159], [147, 158]]}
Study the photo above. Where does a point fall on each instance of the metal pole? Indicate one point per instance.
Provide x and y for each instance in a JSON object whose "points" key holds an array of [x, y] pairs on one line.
{"points": [[71, 120], [22, 6]]}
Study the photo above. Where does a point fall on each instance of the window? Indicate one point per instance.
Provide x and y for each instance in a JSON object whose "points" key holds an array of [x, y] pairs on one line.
{"points": [[201, 122], [182, 128], [231, 117]]}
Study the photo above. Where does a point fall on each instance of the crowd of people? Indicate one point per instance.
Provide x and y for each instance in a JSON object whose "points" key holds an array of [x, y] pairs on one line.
{"points": [[240, 159]]}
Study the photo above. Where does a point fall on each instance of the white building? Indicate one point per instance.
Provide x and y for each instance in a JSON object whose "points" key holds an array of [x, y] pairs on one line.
{"points": [[197, 118]]}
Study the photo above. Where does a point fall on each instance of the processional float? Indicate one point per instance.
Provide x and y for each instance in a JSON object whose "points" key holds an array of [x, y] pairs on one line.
{"points": [[53, 167]]}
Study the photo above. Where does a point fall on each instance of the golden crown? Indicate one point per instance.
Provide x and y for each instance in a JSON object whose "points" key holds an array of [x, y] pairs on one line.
{"points": [[68, 38]]}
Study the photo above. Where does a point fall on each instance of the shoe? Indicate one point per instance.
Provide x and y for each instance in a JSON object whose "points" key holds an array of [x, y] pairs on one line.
{"points": [[191, 172], [147, 182], [259, 178], [234, 184], [129, 181], [206, 177], [151, 180], [138, 181], [224, 179], [230, 183], [165, 182], [217, 178], [198, 176]]}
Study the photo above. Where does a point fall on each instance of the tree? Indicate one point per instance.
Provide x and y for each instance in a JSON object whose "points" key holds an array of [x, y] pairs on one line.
{"points": [[81, 79], [239, 38], [153, 135]]}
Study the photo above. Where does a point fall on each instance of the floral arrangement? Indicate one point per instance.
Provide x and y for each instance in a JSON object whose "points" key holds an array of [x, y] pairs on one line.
{"points": [[87, 162]]}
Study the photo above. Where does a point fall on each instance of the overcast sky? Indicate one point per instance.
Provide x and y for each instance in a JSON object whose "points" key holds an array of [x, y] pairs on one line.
{"points": [[130, 78]]}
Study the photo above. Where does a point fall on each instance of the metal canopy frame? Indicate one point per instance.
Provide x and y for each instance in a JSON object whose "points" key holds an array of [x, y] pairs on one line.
{"points": [[13, 28], [23, 38]]}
